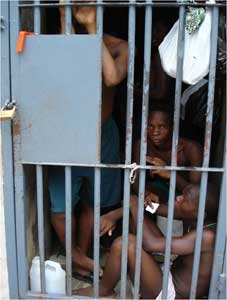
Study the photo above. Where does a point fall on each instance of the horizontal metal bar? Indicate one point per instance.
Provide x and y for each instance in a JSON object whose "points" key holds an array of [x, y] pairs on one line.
{"points": [[36, 296], [124, 4], [138, 167]]}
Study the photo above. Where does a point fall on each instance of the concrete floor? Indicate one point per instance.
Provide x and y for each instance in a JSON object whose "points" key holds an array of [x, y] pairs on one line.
{"points": [[77, 284]]}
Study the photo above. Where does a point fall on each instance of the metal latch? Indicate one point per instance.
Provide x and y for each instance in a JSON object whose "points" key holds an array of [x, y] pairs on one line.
{"points": [[8, 111]]}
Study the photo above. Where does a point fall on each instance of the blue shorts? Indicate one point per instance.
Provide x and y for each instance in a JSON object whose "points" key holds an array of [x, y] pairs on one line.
{"points": [[84, 176]]}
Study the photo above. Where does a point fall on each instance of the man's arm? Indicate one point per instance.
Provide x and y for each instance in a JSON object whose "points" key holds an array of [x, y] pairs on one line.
{"points": [[193, 153], [108, 221], [115, 50], [180, 245], [114, 61]]}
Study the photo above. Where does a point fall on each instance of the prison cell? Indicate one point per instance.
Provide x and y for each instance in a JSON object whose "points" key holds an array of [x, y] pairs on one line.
{"points": [[22, 151]]}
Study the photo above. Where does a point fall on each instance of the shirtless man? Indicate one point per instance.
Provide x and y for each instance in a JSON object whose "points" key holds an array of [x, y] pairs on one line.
{"points": [[159, 148], [114, 70], [186, 208]]}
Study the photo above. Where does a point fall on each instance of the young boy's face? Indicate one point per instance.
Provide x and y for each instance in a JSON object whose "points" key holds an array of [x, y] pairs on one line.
{"points": [[187, 203], [159, 128]]}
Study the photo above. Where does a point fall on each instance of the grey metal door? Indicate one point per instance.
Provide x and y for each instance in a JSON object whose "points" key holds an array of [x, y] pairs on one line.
{"points": [[49, 104]]}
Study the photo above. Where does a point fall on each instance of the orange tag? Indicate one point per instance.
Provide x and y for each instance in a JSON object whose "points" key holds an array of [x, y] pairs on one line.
{"points": [[21, 40]]}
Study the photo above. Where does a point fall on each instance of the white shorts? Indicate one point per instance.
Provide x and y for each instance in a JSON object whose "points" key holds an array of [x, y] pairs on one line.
{"points": [[171, 294]]}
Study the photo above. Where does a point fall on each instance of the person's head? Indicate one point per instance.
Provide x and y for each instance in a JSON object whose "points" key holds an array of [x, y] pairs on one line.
{"points": [[188, 203], [159, 129], [162, 23]]}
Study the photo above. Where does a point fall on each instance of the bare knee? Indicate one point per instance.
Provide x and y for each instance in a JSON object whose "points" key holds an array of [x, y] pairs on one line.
{"points": [[131, 245], [57, 216], [117, 245]]}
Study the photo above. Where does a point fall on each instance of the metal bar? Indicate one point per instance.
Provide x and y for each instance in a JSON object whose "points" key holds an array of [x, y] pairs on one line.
{"points": [[143, 145], [206, 155], [128, 4], [7, 160], [97, 170], [68, 18], [128, 146], [222, 279], [30, 295], [220, 241], [39, 188], [68, 229], [37, 17], [180, 56], [130, 166], [96, 232], [18, 167]]}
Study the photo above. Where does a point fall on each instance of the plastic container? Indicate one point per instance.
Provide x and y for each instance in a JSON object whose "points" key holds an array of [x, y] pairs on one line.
{"points": [[54, 275]]}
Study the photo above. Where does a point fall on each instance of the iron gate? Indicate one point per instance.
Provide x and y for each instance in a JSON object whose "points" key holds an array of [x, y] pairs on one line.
{"points": [[18, 85]]}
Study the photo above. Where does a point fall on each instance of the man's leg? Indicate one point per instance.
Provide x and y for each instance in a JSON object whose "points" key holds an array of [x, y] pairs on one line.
{"points": [[148, 224], [80, 261], [151, 274], [86, 227]]}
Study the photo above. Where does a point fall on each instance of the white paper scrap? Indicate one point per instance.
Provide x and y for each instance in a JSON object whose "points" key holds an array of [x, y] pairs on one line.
{"points": [[153, 209]]}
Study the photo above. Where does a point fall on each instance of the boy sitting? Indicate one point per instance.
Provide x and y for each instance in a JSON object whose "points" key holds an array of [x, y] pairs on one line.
{"points": [[186, 208], [159, 151]]}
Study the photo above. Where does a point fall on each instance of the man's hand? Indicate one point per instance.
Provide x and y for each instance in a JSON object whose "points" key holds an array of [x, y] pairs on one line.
{"points": [[158, 162], [107, 224], [151, 197], [85, 15]]}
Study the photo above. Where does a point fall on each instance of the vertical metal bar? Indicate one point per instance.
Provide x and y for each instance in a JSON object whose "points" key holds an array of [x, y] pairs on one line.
{"points": [[180, 56], [7, 159], [222, 279], [39, 187], [37, 18], [99, 25], [143, 146], [68, 229], [128, 142], [18, 168], [68, 18], [206, 155], [220, 241], [96, 232]]}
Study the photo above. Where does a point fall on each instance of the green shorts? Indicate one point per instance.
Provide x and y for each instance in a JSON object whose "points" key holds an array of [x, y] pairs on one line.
{"points": [[84, 176]]}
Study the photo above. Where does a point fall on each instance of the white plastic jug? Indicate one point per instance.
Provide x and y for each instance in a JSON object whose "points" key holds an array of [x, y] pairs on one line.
{"points": [[54, 275]]}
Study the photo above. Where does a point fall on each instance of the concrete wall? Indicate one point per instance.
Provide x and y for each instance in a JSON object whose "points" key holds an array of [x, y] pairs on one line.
{"points": [[4, 288]]}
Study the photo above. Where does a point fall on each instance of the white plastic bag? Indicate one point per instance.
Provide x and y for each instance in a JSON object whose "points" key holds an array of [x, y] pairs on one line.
{"points": [[196, 51]]}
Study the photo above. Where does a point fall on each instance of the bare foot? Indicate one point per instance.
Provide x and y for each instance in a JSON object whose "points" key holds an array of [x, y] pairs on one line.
{"points": [[90, 292], [83, 264]]}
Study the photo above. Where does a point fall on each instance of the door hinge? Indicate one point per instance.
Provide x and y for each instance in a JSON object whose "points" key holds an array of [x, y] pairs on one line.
{"points": [[2, 22]]}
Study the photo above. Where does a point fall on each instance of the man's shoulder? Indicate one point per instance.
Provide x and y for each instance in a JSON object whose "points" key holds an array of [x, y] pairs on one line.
{"points": [[188, 144]]}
